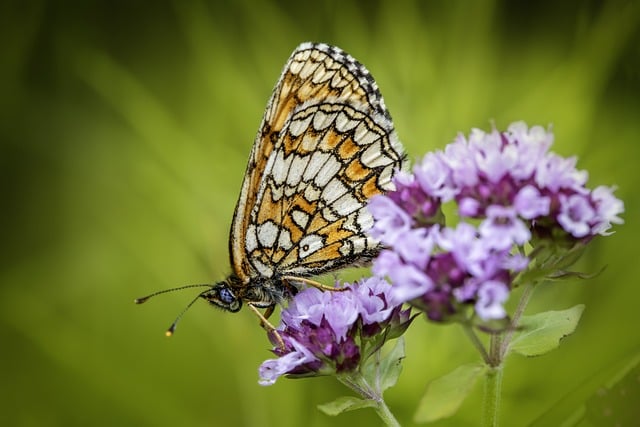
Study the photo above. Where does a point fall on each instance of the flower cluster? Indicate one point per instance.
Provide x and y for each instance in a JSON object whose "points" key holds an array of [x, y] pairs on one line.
{"points": [[334, 332], [510, 191]]}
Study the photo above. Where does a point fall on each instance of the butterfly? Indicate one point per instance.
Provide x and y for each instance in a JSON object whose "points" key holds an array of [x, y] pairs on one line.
{"points": [[325, 146]]}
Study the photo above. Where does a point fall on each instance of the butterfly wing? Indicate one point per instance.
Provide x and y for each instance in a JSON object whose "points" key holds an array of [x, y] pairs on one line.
{"points": [[326, 145]]}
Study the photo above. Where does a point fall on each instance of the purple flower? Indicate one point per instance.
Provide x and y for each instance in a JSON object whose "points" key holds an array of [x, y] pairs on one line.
{"points": [[608, 208], [502, 228], [464, 244], [341, 312], [496, 170], [555, 173], [492, 158], [401, 209], [463, 270], [490, 299], [509, 188], [469, 207], [415, 246], [328, 332], [456, 156], [433, 175], [532, 145], [576, 213], [390, 219], [530, 203], [307, 306], [374, 300], [414, 280], [271, 369]]}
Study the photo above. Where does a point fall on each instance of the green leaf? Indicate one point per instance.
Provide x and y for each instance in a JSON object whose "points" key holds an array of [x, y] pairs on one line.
{"points": [[542, 332], [345, 404], [382, 369], [444, 395], [562, 274], [391, 366]]}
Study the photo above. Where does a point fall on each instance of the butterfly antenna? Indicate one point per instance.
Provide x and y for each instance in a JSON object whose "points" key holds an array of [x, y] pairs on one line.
{"points": [[172, 328], [144, 299]]}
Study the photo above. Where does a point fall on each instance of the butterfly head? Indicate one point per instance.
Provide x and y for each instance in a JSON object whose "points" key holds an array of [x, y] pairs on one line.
{"points": [[221, 295]]}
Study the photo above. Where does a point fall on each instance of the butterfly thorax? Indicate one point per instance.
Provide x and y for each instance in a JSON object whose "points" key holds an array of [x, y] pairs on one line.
{"points": [[261, 292]]}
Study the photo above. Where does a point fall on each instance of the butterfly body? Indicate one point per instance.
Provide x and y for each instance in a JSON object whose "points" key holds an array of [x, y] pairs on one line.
{"points": [[325, 146], [259, 292]]}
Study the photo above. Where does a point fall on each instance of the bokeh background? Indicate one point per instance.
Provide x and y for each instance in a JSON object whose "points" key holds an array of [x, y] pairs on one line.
{"points": [[124, 132]]}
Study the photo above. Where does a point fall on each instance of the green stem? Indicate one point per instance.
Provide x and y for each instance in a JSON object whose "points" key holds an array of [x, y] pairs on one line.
{"points": [[468, 329], [385, 414], [495, 344], [492, 389], [522, 305], [360, 385], [498, 348]]}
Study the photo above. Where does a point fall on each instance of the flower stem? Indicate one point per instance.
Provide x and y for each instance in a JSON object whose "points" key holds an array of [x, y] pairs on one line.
{"points": [[468, 329], [385, 414], [492, 389], [360, 385], [522, 305], [498, 348]]}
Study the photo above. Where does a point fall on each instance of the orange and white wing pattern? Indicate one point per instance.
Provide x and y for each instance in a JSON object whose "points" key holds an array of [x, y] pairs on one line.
{"points": [[326, 145]]}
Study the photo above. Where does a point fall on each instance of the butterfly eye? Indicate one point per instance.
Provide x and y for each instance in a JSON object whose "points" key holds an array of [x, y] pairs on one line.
{"points": [[226, 296]]}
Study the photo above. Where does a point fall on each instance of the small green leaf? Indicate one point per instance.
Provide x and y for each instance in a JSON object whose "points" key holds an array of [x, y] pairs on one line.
{"points": [[391, 366], [444, 395], [382, 369], [562, 275], [345, 404], [542, 332]]}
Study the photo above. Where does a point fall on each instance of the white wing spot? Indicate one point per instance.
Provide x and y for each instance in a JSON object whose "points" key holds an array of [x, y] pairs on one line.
{"points": [[300, 218], [310, 244], [322, 120], [364, 136], [277, 191], [329, 216], [385, 178], [295, 67], [328, 170], [308, 69], [364, 220], [318, 159], [284, 241], [322, 75], [373, 157], [344, 123], [333, 190], [281, 166], [311, 193], [298, 164], [338, 81], [297, 127], [251, 240], [262, 268], [346, 204], [354, 245], [267, 233]]}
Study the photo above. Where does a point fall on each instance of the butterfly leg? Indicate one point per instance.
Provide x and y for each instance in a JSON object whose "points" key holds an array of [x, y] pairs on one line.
{"points": [[268, 326], [313, 283]]}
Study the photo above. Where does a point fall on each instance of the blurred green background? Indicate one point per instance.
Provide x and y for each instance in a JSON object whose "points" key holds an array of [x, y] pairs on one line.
{"points": [[125, 128]]}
